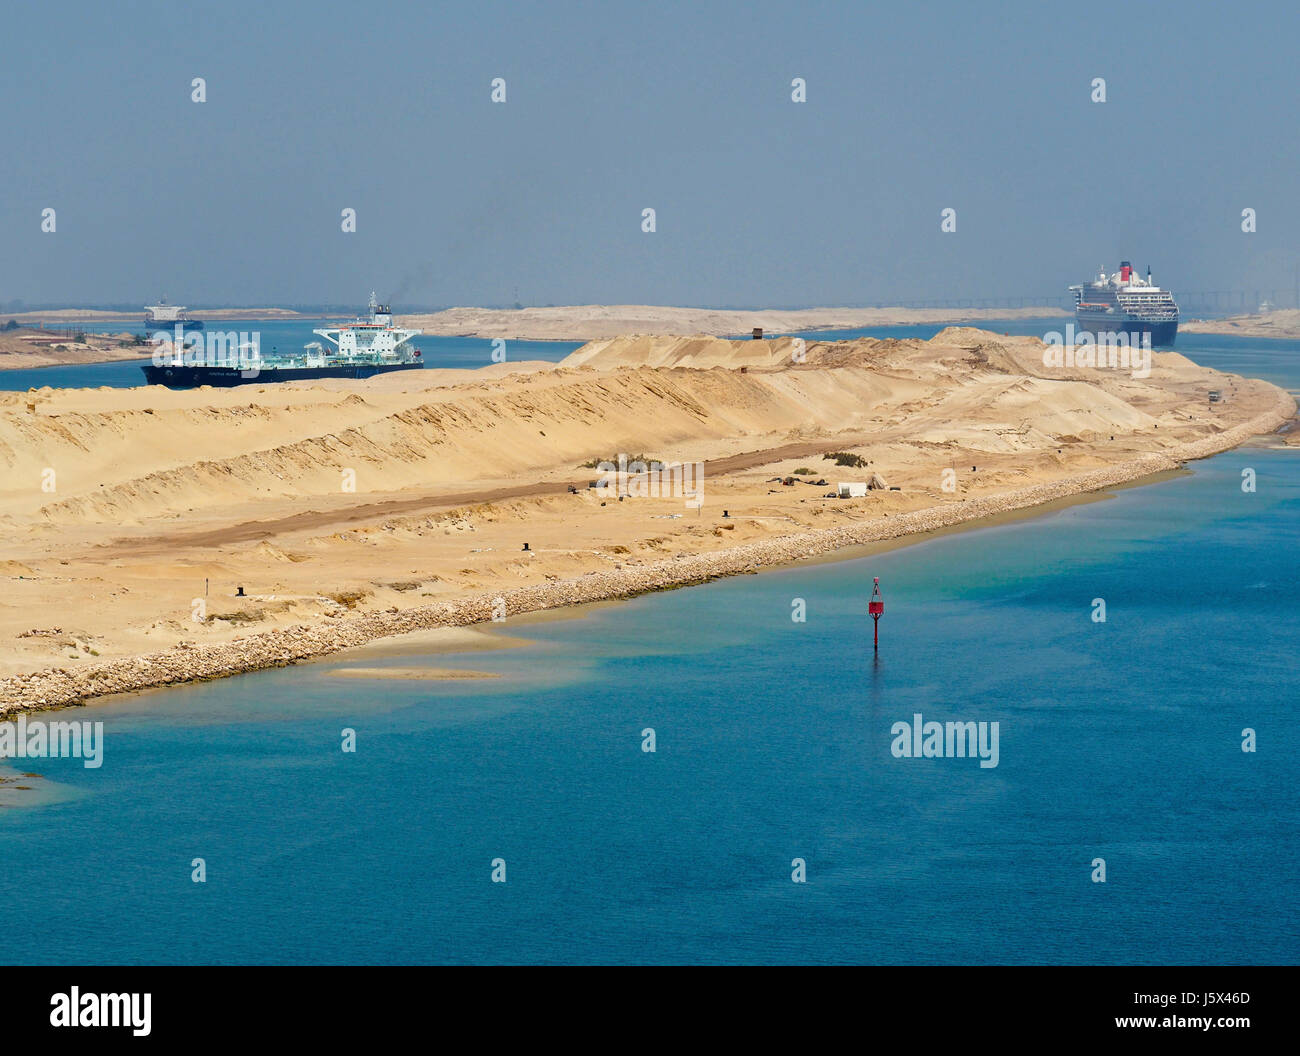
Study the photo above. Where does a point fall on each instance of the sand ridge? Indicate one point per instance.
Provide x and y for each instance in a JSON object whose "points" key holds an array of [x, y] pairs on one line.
{"points": [[587, 322], [1282, 323], [348, 511]]}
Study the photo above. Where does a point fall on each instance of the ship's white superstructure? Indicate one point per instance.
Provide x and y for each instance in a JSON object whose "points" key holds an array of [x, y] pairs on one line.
{"points": [[163, 314], [1125, 291], [355, 351], [1124, 302], [375, 339]]}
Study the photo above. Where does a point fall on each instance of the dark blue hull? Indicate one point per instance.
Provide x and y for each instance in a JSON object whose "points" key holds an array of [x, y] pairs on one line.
{"points": [[225, 377], [170, 328], [1162, 333]]}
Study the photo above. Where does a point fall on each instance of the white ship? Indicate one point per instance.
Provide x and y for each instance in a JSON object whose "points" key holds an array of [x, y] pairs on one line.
{"points": [[164, 316], [1126, 303]]}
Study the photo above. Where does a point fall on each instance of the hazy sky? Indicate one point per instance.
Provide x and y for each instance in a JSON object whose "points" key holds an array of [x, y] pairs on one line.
{"points": [[614, 107]]}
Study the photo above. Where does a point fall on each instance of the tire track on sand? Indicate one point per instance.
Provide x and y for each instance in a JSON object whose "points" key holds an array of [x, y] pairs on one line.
{"points": [[317, 520]]}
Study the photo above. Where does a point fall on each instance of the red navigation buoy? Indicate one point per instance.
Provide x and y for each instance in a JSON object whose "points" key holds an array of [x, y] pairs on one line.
{"points": [[876, 607]]}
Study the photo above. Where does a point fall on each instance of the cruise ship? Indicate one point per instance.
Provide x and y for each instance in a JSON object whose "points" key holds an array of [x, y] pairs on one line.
{"points": [[360, 349], [1126, 303], [164, 316]]}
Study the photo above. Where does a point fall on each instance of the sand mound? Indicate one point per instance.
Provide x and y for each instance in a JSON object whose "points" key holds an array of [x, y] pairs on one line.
{"points": [[977, 348], [1283, 323], [700, 352], [416, 501], [131, 456], [587, 322]]}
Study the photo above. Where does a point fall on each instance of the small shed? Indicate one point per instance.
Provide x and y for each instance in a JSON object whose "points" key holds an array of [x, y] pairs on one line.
{"points": [[852, 490]]}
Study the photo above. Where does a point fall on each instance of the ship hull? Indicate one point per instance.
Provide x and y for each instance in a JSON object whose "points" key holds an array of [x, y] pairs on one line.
{"points": [[1164, 332], [183, 377], [168, 328]]}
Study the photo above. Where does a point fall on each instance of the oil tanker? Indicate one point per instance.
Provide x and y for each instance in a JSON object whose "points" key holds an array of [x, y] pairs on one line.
{"points": [[360, 349], [1126, 303]]}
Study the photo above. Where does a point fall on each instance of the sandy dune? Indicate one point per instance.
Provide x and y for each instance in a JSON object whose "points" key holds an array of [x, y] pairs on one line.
{"points": [[24, 348], [352, 510], [587, 322], [136, 319], [1284, 323]]}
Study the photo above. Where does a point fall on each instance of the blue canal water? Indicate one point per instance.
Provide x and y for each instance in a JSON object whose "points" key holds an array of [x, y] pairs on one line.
{"points": [[1120, 740], [1268, 359], [284, 336]]}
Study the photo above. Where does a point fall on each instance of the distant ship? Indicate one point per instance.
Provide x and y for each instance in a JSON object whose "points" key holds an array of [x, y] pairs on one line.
{"points": [[164, 316], [1126, 303], [360, 349]]}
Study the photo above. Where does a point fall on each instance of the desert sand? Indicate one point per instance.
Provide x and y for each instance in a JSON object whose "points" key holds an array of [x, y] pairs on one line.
{"points": [[353, 511], [136, 319], [587, 322], [1284, 323], [22, 348]]}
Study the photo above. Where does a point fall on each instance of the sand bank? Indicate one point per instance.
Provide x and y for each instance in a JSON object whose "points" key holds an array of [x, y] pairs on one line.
{"points": [[135, 320], [1284, 324], [23, 349], [469, 490], [587, 322], [410, 674]]}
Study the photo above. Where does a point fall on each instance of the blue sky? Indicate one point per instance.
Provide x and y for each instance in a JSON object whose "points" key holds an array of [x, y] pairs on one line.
{"points": [[615, 107]]}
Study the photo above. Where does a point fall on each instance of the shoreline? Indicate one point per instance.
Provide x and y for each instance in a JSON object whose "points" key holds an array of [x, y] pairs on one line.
{"points": [[73, 316], [281, 647], [595, 322], [1277, 325], [491, 637], [74, 363], [568, 325]]}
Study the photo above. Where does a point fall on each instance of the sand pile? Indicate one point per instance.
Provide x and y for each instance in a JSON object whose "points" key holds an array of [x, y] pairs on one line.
{"points": [[1284, 323], [133, 518], [700, 352], [587, 322]]}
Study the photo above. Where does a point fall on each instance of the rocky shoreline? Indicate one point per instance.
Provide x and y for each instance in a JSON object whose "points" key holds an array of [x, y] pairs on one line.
{"points": [[280, 647]]}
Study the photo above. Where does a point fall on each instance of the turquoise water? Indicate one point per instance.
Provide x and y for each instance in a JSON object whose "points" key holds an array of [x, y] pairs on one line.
{"points": [[1119, 740], [284, 336]]}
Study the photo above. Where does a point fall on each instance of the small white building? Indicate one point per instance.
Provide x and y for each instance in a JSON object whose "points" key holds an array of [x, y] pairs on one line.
{"points": [[853, 490]]}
